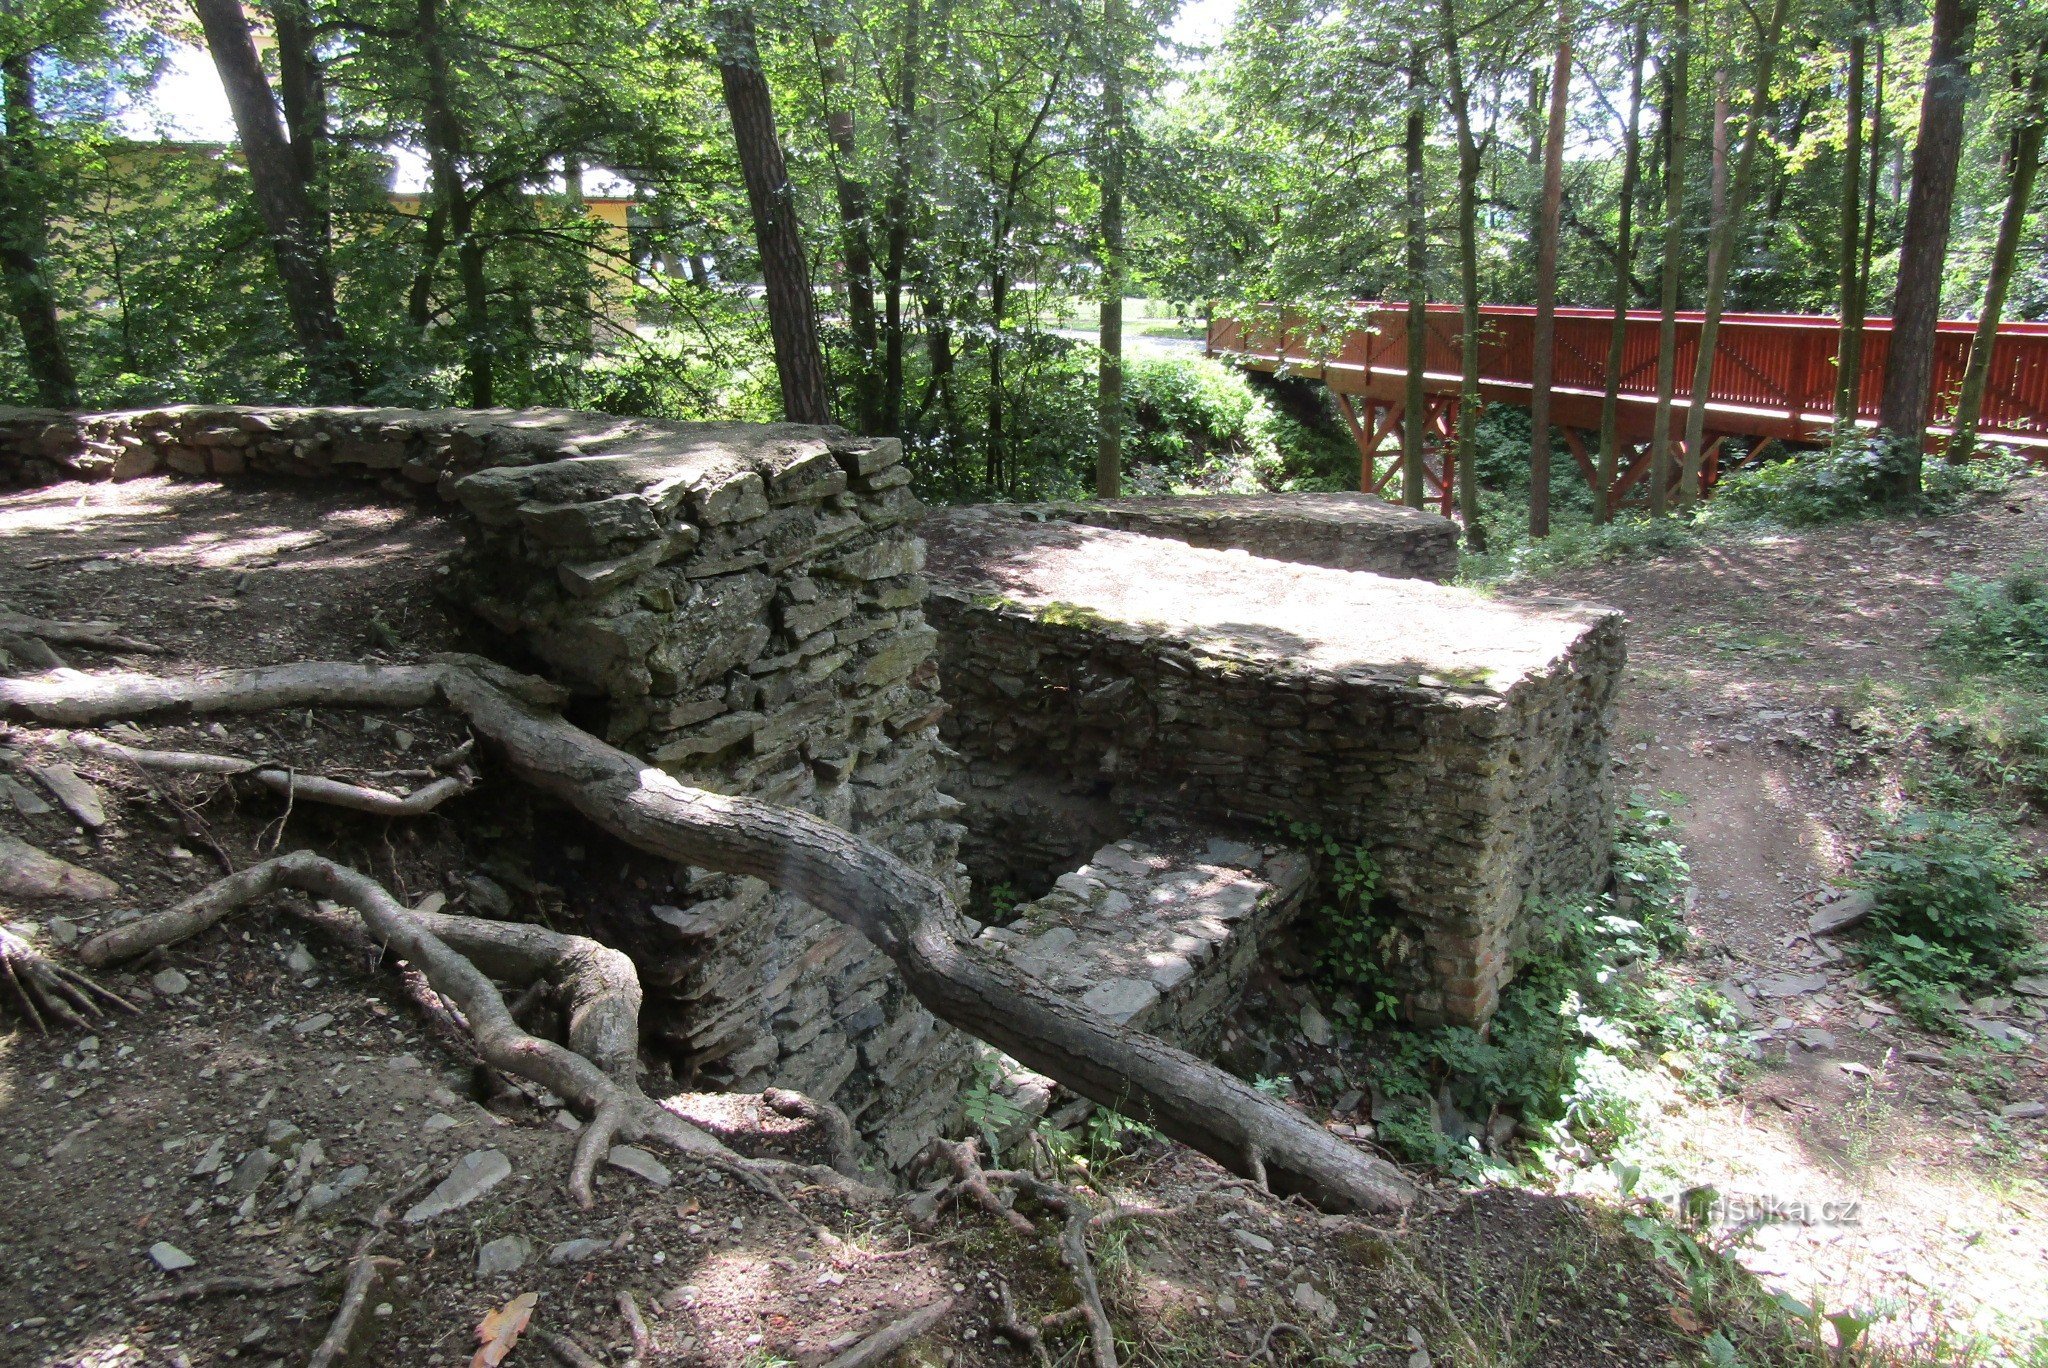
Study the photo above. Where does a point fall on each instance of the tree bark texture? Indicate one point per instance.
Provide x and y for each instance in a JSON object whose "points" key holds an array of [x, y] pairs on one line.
{"points": [[1109, 382], [1726, 235], [1624, 257], [1679, 61], [2025, 163], [1543, 364], [1415, 233], [1923, 253], [25, 239], [1848, 376], [1470, 404], [856, 232], [785, 273], [283, 199]]}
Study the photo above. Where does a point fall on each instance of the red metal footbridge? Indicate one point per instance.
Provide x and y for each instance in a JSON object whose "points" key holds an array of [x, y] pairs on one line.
{"points": [[1773, 380]]}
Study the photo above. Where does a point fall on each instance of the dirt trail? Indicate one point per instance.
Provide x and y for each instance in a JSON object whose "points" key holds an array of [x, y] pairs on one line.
{"points": [[1898, 1182]]}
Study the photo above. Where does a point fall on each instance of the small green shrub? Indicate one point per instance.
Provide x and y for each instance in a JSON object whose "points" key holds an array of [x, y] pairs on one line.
{"points": [[1999, 624], [1946, 919], [1849, 478], [1574, 542]]}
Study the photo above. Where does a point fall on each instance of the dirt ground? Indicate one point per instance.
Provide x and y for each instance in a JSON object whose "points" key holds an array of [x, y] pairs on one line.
{"points": [[1922, 1193], [279, 1086]]}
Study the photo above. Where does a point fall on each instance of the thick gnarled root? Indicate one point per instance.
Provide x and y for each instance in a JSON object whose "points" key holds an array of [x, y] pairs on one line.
{"points": [[595, 1072], [900, 910], [43, 989]]}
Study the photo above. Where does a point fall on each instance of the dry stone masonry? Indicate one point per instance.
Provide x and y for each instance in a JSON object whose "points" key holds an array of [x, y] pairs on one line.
{"points": [[1342, 531], [744, 603], [1463, 741], [747, 606]]}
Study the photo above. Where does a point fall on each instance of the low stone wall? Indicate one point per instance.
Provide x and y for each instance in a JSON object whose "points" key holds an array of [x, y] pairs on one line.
{"points": [[1463, 741], [744, 601], [1341, 531], [1160, 930]]}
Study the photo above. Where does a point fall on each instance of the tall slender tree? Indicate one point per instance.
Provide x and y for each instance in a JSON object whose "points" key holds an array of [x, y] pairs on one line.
{"points": [[1415, 241], [1109, 383], [1923, 253], [1543, 365], [785, 271], [1848, 374], [283, 199], [1677, 72], [1727, 234], [1624, 258], [2023, 161], [1470, 403], [25, 236]]}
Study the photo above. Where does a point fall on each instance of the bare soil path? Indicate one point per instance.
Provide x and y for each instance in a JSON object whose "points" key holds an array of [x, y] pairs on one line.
{"points": [[1906, 1169]]}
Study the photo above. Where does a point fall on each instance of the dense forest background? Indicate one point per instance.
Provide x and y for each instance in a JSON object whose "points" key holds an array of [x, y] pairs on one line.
{"points": [[965, 179]]}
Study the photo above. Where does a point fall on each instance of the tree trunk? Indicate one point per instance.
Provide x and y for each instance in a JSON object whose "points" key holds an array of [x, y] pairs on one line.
{"points": [[856, 234], [1848, 375], [283, 199], [2026, 162], [1415, 230], [454, 212], [896, 214], [1624, 256], [1850, 356], [1109, 385], [1543, 364], [1909, 368], [1727, 234], [785, 274], [1717, 167], [1674, 251], [1470, 404], [302, 86], [1000, 477], [25, 239]]}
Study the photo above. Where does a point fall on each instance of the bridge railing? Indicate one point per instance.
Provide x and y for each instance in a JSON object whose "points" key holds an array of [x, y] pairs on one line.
{"points": [[1773, 374]]}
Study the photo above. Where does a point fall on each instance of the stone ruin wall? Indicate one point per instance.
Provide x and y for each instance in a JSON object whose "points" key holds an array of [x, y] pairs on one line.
{"points": [[1473, 798], [743, 602], [1346, 531]]}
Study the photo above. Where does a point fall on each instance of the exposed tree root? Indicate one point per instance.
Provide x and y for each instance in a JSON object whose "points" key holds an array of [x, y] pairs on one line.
{"points": [[636, 1324], [41, 987], [283, 779], [883, 1344], [228, 1284], [597, 1070], [1014, 1328], [102, 636], [567, 1350], [903, 912], [364, 1273]]}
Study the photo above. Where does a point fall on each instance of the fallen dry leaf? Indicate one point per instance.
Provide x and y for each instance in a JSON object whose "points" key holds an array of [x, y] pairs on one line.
{"points": [[499, 1330], [1685, 1320]]}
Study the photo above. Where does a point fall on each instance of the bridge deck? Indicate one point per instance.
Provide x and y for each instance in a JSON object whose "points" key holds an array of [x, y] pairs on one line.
{"points": [[1773, 375]]}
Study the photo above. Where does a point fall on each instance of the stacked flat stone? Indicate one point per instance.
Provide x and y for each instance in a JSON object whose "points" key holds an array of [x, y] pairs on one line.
{"points": [[1160, 931], [1462, 741], [1344, 531], [744, 602]]}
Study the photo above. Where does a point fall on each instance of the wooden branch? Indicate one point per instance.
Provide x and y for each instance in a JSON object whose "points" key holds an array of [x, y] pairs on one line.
{"points": [[228, 1284], [905, 913], [282, 779], [364, 1273]]}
